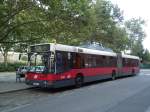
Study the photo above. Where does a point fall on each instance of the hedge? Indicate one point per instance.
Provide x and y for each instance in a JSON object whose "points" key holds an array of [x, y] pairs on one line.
{"points": [[145, 66], [11, 67]]}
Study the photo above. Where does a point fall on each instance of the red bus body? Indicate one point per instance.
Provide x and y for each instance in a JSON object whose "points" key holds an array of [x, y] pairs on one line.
{"points": [[122, 66]]}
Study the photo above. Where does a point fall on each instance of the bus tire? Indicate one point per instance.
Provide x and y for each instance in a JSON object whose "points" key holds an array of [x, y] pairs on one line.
{"points": [[79, 81], [113, 77]]}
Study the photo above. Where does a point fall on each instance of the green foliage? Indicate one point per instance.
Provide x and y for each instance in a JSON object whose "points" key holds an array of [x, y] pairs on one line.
{"points": [[135, 29], [69, 22], [10, 67], [25, 22], [138, 49], [145, 66], [136, 35], [146, 57], [106, 26]]}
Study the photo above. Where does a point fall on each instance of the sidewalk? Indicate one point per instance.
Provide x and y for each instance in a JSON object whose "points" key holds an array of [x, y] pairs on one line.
{"points": [[8, 83]]}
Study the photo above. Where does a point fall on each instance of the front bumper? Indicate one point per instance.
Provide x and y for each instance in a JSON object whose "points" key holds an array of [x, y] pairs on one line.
{"points": [[51, 84], [39, 83]]}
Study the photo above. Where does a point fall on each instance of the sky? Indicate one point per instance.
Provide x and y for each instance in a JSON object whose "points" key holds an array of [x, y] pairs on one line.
{"points": [[135, 9]]}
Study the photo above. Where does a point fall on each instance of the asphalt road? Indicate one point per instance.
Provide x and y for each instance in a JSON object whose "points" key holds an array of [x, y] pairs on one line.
{"points": [[130, 94]]}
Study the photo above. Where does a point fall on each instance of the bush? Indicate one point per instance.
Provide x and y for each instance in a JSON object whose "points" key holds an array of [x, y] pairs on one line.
{"points": [[11, 67], [145, 66]]}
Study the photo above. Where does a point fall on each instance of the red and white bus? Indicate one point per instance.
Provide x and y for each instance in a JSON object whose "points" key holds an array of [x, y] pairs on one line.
{"points": [[56, 65]]}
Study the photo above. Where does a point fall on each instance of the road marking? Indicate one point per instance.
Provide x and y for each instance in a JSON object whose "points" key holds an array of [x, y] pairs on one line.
{"points": [[19, 107]]}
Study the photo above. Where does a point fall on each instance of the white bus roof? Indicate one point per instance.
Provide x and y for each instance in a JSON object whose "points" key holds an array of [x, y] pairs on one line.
{"points": [[61, 47], [130, 56]]}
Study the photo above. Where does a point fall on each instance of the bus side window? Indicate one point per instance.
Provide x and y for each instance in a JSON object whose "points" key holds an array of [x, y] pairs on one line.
{"points": [[59, 62], [64, 61], [104, 63], [82, 61], [111, 61], [77, 61], [86, 63], [123, 62], [99, 62]]}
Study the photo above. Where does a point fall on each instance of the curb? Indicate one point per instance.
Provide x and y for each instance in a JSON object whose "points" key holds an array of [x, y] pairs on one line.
{"points": [[16, 90]]}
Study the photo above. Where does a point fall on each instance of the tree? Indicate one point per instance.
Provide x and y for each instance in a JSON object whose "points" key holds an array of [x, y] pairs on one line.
{"points": [[69, 19], [138, 49], [4, 50], [146, 56], [21, 23], [136, 34], [25, 22], [106, 27]]}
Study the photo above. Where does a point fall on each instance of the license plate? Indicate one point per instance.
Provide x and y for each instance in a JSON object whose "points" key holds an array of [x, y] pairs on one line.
{"points": [[36, 84]]}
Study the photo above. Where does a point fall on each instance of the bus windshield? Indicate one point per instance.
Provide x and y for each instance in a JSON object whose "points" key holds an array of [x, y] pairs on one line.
{"points": [[41, 63]]}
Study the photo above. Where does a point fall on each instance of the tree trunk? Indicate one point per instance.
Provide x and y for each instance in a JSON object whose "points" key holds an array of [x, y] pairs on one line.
{"points": [[5, 59]]}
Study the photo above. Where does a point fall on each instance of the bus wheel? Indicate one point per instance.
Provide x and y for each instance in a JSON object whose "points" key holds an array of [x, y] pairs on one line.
{"points": [[79, 81], [113, 75]]}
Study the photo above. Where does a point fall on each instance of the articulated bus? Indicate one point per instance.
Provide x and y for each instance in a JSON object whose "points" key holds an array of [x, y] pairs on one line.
{"points": [[55, 65]]}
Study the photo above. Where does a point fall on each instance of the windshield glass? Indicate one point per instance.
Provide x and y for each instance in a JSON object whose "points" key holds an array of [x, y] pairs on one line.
{"points": [[41, 63]]}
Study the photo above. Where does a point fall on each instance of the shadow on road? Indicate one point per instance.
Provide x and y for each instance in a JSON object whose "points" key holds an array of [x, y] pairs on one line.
{"points": [[63, 89]]}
